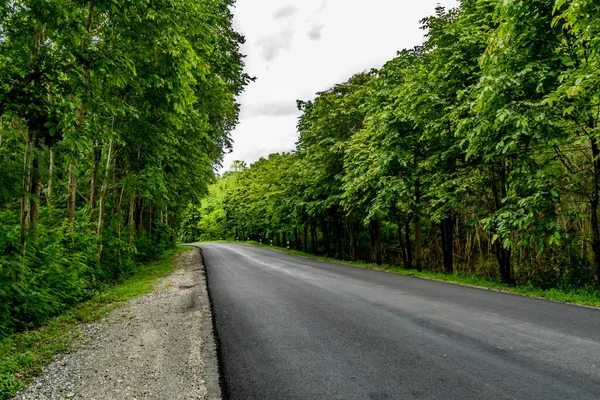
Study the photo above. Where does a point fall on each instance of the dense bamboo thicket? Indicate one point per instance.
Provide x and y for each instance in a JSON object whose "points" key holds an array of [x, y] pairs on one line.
{"points": [[112, 116], [476, 153]]}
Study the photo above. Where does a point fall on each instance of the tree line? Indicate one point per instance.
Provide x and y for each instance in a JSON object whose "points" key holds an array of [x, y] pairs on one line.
{"points": [[112, 117], [476, 152]]}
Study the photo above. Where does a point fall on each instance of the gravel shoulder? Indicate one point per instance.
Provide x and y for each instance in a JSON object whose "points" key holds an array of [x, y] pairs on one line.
{"points": [[158, 346]]}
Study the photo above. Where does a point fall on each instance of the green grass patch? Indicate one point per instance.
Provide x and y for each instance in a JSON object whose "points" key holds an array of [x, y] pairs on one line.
{"points": [[23, 355], [587, 296]]}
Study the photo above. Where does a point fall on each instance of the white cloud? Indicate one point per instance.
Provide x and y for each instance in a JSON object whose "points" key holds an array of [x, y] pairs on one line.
{"points": [[276, 108], [276, 134], [285, 12], [299, 49], [315, 32], [274, 43]]}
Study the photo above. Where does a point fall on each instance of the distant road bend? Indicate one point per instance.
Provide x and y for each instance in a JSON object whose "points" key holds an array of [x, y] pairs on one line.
{"points": [[297, 328]]}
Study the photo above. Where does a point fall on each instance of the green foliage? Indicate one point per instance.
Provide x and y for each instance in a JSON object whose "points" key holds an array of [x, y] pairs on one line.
{"points": [[113, 116], [23, 355], [586, 295], [476, 153]]}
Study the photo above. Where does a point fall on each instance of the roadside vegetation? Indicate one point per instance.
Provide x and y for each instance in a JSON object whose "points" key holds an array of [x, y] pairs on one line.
{"points": [[113, 115], [587, 296], [24, 354], [474, 156]]}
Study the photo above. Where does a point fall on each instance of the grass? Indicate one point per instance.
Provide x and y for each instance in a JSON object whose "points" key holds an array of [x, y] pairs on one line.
{"points": [[23, 355], [587, 296]]}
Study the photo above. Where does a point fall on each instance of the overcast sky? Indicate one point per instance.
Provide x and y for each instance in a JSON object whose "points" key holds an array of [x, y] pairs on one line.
{"points": [[298, 48]]}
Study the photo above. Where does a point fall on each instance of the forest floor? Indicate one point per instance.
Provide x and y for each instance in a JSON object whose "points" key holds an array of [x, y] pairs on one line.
{"points": [[585, 296], [158, 346]]}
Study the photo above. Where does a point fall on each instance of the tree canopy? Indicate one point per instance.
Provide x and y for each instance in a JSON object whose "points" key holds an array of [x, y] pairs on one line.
{"points": [[113, 118], [476, 152]]}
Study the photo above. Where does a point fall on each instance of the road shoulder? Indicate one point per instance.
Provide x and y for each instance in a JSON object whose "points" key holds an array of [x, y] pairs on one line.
{"points": [[157, 346]]}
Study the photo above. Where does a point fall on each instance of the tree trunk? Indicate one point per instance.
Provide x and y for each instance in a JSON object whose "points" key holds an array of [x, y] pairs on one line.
{"points": [[403, 260], [117, 211], [371, 231], [139, 217], [30, 182], [36, 190], [339, 239], [149, 227], [117, 224], [418, 244], [305, 241], [595, 237], [375, 239], [502, 255], [72, 192], [95, 168], [26, 186], [50, 179], [313, 237], [378, 250], [326, 236], [418, 227], [101, 202], [352, 235], [594, 208], [119, 203], [447, 235], [130, 226], [409, 254], [296, 245]]}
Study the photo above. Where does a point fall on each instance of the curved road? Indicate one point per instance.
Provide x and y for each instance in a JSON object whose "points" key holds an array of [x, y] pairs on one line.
{"points": [[296, 328]]}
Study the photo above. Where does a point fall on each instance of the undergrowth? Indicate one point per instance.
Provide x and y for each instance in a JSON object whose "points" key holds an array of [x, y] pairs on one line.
{"points": [[588, 296], [23, 355]]}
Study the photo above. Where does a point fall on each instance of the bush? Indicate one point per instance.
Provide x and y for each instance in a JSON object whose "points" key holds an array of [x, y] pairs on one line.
{"points": [[60, 270]]}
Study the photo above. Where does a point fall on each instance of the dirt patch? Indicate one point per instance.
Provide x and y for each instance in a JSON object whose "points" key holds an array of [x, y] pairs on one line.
{"points": [[159, 346]]}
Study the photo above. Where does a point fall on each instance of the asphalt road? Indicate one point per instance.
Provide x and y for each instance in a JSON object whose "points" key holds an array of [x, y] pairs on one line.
{"points": [[296, 328]]}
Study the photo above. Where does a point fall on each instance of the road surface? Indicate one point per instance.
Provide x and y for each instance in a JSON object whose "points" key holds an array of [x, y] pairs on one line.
{"points": [[296, 328]]}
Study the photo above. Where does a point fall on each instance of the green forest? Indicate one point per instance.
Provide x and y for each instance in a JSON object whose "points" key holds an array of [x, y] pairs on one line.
{"points": [[475, 153], [113, 116]]}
